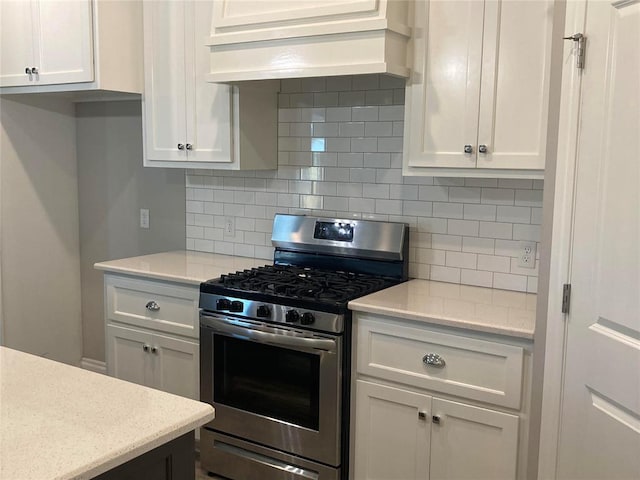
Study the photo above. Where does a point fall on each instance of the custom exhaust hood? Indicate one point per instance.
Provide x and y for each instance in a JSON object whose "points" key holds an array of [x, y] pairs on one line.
{"points": [[272, 39]]}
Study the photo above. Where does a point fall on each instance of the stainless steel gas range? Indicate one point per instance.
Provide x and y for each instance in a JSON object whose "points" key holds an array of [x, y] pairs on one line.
{"points": [[275, 356]]}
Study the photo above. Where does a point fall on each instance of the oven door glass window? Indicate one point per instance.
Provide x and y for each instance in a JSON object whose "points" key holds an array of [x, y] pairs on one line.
{"points": [[276, 382]]}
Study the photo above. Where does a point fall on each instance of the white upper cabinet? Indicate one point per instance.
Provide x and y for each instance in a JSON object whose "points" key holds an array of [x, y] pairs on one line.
{"points": [[188, 122], [63, 46], [257, 39], [478, 101], [46, 42]]}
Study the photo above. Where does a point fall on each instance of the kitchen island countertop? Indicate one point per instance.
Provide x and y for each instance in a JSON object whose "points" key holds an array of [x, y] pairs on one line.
{"points": [[481, 309], [182, 266], [62, 422]]}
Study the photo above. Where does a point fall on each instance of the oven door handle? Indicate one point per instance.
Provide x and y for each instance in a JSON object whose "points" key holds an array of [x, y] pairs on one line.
{"points": [[301, 342]]}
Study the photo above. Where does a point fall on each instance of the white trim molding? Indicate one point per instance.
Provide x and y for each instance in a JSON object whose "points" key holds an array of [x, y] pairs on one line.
{"points": [[94, 365]]}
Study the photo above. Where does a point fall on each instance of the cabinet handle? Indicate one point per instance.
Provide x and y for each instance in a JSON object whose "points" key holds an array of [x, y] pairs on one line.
{"points": [[180, 146], [433, 360], [189, 146], [27, 71], [154, 349], [436, 419], [468, 149], [34, 70], [483, 149], [152, 306], [422, 415], [145, 347]]}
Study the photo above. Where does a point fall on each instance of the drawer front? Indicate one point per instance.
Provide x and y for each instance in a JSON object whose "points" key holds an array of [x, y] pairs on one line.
{"points": [[161, 306], [476, 369]]}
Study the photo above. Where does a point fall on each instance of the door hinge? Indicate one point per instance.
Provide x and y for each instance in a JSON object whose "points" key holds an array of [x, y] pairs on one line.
{"points": [[581, 48], [566, 297]]}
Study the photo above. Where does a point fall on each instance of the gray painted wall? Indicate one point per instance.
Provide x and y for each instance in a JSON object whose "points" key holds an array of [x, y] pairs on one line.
{"points": [[40, 251], [113, 187]]}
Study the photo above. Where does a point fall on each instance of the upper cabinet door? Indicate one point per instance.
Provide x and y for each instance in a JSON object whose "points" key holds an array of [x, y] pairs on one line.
{"points": [[208, 105], [164, 97], [63, 41], [443, 95], [16, 30], [514, 96]]}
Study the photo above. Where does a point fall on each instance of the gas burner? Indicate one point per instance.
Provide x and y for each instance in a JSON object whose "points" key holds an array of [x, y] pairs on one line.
{"points": [[303, 283]]}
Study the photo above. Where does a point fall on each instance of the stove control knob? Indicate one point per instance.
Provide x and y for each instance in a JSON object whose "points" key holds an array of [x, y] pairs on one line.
{"points": [[291, 316], [223, 304], [236, 306], [263, 311], [307, 318]]}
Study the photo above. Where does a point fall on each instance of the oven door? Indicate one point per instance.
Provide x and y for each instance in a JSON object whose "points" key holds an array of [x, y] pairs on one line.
{"points": [[274, 385]]}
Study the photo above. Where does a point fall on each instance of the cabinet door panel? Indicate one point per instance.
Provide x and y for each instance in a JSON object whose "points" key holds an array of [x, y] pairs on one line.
{"points": [[515, 83], [208, 105], [164, 81], [472, 443], [16, 37], [391, 441], [444, 91], [176, 366], [127, 359], [63, 41]]}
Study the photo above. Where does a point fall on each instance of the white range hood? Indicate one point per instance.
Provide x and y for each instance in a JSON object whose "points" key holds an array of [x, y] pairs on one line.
{"points": [[270, 39]]}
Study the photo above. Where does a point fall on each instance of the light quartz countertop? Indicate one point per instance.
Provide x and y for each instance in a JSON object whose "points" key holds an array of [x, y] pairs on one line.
{"points": [[63, 422], [181, 266], [472, 308]]}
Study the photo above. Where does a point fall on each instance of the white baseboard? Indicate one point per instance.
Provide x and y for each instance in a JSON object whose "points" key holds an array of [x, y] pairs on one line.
{"points": [[94, 365]]}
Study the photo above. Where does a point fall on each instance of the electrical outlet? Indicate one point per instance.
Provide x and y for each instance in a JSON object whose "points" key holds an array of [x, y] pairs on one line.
{"points": [[229, 227], [527, 258], [144, 218]]}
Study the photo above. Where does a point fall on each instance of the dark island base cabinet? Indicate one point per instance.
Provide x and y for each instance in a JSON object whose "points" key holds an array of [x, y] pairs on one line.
{"points": [[175, 460]]}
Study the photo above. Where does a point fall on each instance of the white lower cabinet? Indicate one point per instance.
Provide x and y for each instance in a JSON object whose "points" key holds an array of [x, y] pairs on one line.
{"points": [[157, 361], [152, 333], [407, 421]]}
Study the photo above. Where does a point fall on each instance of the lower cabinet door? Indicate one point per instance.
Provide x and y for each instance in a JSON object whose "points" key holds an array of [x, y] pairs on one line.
{"points": [[128, 354], [176, 365], [472, 442], [391, 433]]}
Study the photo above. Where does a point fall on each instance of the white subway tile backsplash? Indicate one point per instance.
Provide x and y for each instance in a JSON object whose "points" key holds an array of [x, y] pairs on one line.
{"points": [[496, 230], [445, 274], [340, 145], [447, 210], [476, 278], [463, 227], [461, 260], [514, 214], [479, 212]]}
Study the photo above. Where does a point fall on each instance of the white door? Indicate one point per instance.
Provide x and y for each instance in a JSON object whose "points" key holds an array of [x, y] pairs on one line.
{"points": [[514, 91], [444, 91], [63, 41], [128, 354], [599, 436], [176, 365], [16, 43], [391, 433], [472, 443], [208, 105], [164, 111]]}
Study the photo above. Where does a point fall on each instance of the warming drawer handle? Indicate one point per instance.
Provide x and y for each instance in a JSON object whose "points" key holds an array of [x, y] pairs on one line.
{"points": [[289, 340], [433, 360], [152, 306]]}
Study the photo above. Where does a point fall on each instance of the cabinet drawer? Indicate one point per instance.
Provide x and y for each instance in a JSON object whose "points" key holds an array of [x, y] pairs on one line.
{"points": [[473, 368], [127, 301]]}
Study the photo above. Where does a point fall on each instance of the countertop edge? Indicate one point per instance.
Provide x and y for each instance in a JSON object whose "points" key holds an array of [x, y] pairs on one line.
{"points": [[146, 274]]}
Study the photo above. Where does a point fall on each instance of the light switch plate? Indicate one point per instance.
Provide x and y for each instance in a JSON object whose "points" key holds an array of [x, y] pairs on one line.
{"points": [[144, 218]]}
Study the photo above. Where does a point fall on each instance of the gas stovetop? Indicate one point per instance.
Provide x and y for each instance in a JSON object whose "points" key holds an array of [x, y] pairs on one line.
{"points": [[294, 285]]}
